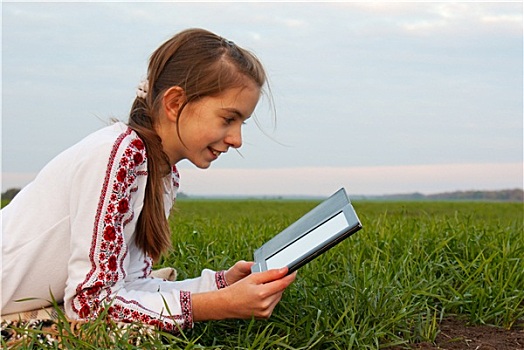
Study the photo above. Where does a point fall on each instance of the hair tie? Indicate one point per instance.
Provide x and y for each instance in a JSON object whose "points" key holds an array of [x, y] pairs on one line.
{"points": [[229, 43], [143, 87]]}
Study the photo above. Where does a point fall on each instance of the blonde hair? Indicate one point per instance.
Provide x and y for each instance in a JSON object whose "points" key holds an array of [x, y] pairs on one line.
{"points": [[203, 64]]}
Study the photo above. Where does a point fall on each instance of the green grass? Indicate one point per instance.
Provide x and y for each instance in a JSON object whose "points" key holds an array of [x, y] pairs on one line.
{"points": [[390, 284]]}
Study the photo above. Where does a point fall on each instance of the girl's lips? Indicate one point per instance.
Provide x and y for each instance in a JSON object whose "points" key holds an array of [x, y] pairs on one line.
{"points": [[215, 152]]}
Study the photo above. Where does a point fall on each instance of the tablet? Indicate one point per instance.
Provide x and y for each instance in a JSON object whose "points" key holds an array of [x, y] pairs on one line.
{"points": [[319, 230]]}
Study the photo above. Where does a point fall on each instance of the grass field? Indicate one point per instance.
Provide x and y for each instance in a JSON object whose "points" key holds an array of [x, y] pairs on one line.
{"points": [[413, 264]]}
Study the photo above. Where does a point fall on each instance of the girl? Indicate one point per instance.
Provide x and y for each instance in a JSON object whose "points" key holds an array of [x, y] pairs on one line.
{"points": [[90, 225]]}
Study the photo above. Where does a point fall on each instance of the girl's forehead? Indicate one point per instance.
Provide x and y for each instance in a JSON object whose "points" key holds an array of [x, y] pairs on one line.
{"points": [[242, 99], [247, 87]]}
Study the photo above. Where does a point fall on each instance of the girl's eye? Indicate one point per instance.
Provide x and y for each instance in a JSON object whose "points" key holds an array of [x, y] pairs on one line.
{"points": [[229, 120]]}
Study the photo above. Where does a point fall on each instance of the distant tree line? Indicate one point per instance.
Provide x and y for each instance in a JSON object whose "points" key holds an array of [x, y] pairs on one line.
{"points": [[10, 194], [513, 195]]}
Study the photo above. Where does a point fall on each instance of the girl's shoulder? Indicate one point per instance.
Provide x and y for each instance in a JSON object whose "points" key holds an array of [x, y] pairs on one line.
{"points": [[115, 136], [112, 133], [109, 144]]}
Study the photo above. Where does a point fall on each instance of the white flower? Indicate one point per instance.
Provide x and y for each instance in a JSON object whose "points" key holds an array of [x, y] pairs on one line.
{"points": [[143, 87]]}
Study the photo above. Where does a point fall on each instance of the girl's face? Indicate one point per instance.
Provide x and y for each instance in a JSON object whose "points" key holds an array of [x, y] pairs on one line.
{"points": [[211, 125]]}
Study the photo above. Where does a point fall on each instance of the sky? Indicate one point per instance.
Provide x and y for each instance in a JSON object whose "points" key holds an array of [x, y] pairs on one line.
{"points": [[376, 97]]}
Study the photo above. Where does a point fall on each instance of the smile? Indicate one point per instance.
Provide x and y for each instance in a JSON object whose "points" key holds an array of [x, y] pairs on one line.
{"points": [[215, 152]]}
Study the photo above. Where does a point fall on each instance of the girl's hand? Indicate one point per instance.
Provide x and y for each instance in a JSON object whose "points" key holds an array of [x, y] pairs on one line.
{"points": [[238, 271], [253, 296], [259, 293]]}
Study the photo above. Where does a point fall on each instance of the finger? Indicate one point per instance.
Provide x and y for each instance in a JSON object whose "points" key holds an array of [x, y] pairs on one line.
{"points": [[275, 301], [281, 284], [244, 266], [266, 311], [275, 287], [269, 275], [291, 277], [284, 282]]}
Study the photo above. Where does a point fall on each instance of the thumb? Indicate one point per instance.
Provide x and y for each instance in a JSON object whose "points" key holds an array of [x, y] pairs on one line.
{"points": [[269, 275], [244, 266]]}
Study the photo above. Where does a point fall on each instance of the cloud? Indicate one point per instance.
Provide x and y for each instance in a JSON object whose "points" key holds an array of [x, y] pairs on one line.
{"points": [[427, 19]]}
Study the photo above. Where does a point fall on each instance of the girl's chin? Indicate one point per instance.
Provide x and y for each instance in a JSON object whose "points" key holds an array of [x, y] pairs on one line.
{"points": [[202, 164], [204, 161]]}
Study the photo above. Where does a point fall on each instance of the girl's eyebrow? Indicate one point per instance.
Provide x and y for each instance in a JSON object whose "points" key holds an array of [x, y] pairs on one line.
{"points": [[235, 111]]}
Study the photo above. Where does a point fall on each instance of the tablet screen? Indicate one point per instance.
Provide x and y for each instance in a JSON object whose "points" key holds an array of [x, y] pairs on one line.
{"points": [[314, 238]]}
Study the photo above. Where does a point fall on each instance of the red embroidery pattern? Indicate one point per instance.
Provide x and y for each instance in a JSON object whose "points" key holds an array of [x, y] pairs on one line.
{"points": [[185, 301], [148, 262], [220, 279], [176, 179], [131, 311], [109, 249]]}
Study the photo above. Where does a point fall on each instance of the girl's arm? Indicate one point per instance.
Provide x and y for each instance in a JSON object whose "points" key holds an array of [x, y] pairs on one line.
{"points": [[253, 296]]}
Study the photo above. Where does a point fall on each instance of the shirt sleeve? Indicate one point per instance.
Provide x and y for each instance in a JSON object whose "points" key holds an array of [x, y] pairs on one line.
{"points": [[107, 271]]}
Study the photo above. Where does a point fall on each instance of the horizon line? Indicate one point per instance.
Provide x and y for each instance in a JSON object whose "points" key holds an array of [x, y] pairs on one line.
{"points": [[321, 181]]}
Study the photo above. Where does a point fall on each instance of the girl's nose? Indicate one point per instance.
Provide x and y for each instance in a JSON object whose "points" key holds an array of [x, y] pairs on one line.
{"points": [[234, 138]]}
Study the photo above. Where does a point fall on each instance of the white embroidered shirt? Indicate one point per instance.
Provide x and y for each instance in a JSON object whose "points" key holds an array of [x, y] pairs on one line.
{"points": [[70, 232]]}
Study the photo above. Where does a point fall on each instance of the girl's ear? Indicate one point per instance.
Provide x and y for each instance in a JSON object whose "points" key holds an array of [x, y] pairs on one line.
{"points": [[174, 98]]}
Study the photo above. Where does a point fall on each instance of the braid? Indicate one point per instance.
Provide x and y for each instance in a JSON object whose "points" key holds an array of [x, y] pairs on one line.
{"points": [[152, 218]]}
